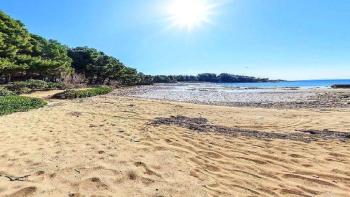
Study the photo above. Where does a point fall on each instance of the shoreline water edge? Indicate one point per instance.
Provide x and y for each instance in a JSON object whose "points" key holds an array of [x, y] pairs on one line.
{"points": [[219, 94]]}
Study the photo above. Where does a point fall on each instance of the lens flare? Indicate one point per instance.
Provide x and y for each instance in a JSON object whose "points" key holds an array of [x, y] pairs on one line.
{"points": [[188, 14]]}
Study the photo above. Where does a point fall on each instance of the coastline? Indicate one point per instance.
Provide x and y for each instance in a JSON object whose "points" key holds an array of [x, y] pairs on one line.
{"points": [[213, 94]]}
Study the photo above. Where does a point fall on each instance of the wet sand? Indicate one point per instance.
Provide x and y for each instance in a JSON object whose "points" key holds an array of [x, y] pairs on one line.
{"points": [[107, 146]]}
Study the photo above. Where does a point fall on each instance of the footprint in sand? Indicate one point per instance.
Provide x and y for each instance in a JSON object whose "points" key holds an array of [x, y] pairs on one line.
{"points": [[148, 171], [94, 184]]}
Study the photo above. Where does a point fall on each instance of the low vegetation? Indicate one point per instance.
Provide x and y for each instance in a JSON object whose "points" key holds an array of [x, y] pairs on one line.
{"points": [[11, 104], [23, 87], [83, 93], [6, 92]]}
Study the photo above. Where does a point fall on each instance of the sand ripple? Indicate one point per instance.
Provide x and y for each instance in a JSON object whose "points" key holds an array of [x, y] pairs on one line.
{"points": [[103, 146]]}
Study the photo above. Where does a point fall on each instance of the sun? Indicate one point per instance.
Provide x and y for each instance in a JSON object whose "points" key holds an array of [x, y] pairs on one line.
{"points": [[188, 14]]}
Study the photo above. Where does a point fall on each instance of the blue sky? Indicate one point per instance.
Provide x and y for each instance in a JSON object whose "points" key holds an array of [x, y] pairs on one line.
{"points": [[288, 39]]}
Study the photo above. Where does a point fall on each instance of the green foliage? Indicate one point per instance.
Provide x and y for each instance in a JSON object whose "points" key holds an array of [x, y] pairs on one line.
{"points": [[28, 56], [229, 78], [145, 79], [84, 93], [11, 104], [50, 59], [54, 86], [23, 55], [14, 44], [129, 76], [83, 57], [163, 79], [22, 87], [207, 77], [6, 92], [96, 66]]}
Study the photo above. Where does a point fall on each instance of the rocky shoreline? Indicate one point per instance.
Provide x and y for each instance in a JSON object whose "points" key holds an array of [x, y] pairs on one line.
{"points": [[290, 98]]}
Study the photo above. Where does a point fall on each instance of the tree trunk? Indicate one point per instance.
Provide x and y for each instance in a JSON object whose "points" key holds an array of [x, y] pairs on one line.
{"points": [[8, 78]]}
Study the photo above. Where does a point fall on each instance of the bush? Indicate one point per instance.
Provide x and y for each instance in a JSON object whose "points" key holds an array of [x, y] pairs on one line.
{"points": [[12, 104], [32, 84], [55, 86], [23, 87], [6, 92], [72, 94]]}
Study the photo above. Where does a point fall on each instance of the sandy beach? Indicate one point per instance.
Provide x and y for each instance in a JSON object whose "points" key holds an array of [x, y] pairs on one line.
{"points": [[174, 98], [110, 146]]}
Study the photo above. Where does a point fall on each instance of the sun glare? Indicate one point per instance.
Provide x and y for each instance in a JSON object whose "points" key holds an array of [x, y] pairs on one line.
{"points": [[188, 14]]}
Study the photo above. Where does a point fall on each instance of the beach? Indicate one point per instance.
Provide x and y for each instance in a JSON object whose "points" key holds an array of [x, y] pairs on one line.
{"points": [[154, 141], [175, 98]]}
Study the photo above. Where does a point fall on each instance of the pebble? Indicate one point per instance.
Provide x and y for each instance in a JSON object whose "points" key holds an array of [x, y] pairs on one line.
{"points": [[215, 94]]}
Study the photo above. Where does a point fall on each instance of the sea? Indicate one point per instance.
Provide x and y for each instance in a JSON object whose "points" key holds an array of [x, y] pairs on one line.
{"points": [[291, 84]]}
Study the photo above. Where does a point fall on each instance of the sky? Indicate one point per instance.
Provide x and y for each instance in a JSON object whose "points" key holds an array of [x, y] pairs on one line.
{"points": [[278, 39]]}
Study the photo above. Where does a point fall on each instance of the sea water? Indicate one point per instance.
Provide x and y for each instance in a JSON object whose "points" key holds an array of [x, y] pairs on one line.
{"points": [[291, 84]]}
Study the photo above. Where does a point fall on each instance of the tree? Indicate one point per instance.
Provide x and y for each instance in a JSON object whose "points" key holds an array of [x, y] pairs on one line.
{"points": [[162, 79], [84, 60], [14, 47], [95, 65], [207, 77], [145, 79], [24, 55], [50, 59], [107, 68], [129, 76]]}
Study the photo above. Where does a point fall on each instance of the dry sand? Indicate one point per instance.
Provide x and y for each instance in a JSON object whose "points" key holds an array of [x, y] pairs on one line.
{"points": [[103, 146]]}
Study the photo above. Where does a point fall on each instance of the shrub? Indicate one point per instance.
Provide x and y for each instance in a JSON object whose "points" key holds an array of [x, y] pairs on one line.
{"points": [[6, 92], [23, 87], [55, 86], [12, 104], [32, 84], [83, 93]]}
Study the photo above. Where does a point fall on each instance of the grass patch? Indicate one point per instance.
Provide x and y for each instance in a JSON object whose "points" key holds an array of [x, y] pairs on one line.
{"points": [[12, 104], [72, 94]]}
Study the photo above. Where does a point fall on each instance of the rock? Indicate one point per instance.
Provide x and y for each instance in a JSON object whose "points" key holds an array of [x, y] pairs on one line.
{"points": [[341, 86], [135, 140]]}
